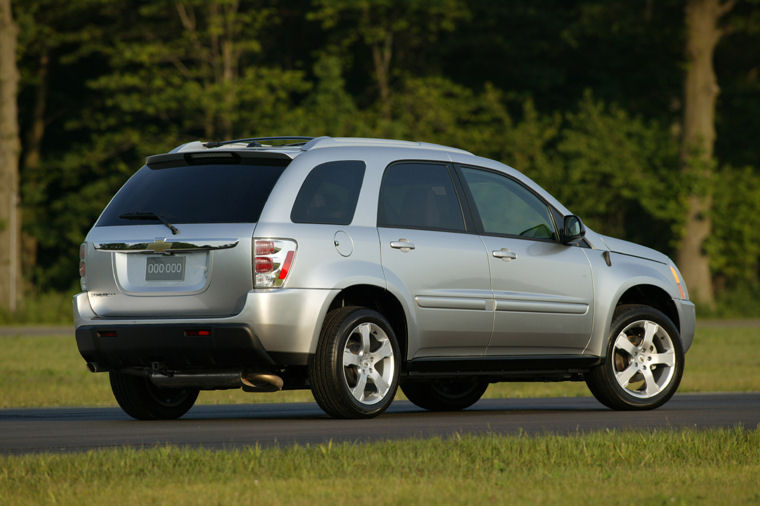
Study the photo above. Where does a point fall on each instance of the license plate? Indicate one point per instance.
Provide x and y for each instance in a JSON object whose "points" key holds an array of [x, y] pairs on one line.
{"points": [[165, 268]]}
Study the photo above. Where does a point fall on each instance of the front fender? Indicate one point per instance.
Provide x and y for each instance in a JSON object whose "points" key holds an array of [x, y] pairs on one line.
{"points": [[611, 282]]}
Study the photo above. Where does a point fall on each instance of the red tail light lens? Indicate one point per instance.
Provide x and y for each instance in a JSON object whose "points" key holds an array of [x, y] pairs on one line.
{"points": [[82, 266], [264, 247], [286, 265], [197, 333], [264, 264]]}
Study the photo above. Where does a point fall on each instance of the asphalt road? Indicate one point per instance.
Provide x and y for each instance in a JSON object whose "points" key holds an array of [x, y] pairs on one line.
{"points": [[235, 426]]}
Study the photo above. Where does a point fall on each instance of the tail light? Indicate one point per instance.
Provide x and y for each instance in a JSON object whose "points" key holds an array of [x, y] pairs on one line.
{"points": [[82, 266], [272, 260]]}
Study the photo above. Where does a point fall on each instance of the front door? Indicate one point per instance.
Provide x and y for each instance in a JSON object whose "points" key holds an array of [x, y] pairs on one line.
{"points": [[543, 290]]}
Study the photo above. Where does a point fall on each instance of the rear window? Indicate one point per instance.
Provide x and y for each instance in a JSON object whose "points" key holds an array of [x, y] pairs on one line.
{"points": [[213, 193]]}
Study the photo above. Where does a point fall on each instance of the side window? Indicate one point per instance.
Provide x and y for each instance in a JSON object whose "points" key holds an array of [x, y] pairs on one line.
{"points": [[419, 195], [329, 193], [506, 207]]}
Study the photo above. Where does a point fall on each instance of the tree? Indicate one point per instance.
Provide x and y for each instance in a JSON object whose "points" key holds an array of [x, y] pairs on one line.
{"points": [[698, 140], [388, 27], [10, 148], [193, 68]]}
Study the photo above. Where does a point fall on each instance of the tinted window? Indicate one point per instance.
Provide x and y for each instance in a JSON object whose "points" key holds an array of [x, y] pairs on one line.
{"points": [[224, 193], [329, 193], [419, 195], [506, 207]]}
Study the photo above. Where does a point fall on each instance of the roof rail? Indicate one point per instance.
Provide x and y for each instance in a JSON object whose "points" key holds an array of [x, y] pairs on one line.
{"points": [[255, 142], [364, 141]]}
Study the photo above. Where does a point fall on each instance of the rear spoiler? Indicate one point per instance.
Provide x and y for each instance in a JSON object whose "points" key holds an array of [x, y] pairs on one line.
{"points": [[169, 160]]}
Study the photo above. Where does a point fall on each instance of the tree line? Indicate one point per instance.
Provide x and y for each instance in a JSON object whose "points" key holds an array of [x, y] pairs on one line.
{"points": [[640, 115]]}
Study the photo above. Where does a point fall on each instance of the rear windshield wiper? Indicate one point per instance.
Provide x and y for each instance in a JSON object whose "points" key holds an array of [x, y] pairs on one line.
{"points": [[148, 215]]}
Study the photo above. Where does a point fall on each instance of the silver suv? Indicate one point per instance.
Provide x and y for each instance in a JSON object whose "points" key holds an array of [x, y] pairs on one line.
{"points": [[351, 266]]}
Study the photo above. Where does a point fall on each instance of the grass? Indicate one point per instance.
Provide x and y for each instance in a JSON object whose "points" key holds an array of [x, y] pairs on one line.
{"points": [[48, 371], [666, 467], [51, 308]]}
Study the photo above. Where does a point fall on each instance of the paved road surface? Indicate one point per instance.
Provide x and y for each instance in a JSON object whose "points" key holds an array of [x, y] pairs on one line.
{"points": [[231, 426]]}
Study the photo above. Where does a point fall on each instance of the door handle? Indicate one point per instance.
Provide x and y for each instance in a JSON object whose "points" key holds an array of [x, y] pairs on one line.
{"points": [[402, 244], [504, 254]]}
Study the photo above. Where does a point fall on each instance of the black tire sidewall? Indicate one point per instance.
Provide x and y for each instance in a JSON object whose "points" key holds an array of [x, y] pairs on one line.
{"points": [[142, 400], [431, 394]]}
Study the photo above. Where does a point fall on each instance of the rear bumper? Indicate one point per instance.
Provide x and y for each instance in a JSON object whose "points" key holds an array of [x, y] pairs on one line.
{"points": [[275, 328], [175, 347]]}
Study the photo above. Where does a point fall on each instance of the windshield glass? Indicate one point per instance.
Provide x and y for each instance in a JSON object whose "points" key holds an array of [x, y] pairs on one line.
{"points": [[214, 193]]}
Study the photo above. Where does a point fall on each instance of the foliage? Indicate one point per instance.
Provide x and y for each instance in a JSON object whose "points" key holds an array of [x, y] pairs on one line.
{"points": [[584, 97], [734, 245], [46, 308], [634, 161]]}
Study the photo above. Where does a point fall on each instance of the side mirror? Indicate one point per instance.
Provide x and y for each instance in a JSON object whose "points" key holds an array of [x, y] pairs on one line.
{"points": [[572, 229]]}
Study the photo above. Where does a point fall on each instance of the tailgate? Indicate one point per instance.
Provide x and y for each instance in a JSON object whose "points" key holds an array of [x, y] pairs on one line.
{"points": [[141, 272]]}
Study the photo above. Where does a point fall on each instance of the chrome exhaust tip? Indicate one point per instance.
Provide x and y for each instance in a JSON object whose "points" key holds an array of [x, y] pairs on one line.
{"points": [[261, 382], [94, 367]]}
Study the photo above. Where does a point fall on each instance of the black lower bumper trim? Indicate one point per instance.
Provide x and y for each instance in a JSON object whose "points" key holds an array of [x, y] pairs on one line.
{"points": [[181, 347]]}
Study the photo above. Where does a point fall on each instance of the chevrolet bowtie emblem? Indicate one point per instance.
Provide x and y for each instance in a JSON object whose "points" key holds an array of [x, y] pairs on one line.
{"points": [[160, 246]]}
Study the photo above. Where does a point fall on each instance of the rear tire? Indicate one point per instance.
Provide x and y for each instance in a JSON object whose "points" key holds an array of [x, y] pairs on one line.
{"points": [[142, 400], [643, 364], [354, 373], [445, 395]]}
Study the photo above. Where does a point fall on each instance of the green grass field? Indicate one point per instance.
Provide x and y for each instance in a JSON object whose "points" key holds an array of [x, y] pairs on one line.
{"points": [[669, 467], [48, 371], [661, 467]]}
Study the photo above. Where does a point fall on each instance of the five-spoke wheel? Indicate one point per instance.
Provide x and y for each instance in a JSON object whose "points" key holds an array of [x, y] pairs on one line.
{"points": [[644, 361], [368, 365], [354, 373]]}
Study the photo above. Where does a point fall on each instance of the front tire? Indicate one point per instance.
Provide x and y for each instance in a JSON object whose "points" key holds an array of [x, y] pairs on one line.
{"points": [[142, 400], [643, 364], [354, 373], [445, 395]]}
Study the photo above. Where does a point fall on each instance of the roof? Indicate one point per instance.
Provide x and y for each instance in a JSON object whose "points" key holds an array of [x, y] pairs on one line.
{"points": [[295, 145]]}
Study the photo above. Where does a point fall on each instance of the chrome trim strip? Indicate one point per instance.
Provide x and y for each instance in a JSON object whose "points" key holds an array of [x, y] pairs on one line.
{"points": [[537, 306], [450, 302], [167, 248]]}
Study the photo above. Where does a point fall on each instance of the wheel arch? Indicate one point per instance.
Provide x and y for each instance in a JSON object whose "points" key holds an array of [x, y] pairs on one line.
{"points": [[644, 291], [382, 301], [652, 296]]}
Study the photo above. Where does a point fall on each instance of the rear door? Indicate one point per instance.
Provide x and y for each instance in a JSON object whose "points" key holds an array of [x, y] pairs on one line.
{"points": [[543, 290], [427, 251], [137, 266]]}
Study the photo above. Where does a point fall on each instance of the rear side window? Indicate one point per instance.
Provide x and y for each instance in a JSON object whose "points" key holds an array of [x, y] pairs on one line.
{"points": [[213, 193], [329, 193], [419, 195]]}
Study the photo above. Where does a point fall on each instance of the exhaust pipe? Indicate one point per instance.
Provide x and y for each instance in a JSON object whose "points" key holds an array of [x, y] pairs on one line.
{"points": [[205, 381], [250, 382], [261, 382], [95, 367]]}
